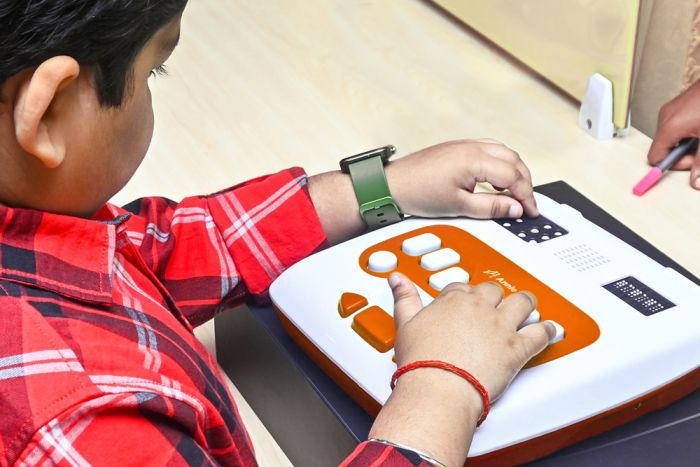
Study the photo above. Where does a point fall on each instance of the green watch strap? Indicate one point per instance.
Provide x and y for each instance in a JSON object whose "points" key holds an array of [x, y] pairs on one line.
{"points": [[377, 207]]}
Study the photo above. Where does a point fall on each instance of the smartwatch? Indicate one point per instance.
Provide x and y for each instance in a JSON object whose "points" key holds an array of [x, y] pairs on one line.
{"points": [[377, 207]]}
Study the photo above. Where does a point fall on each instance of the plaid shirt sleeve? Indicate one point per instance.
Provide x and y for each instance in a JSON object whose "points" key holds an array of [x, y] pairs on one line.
{"points": [[383, 455], [216, 250], [114, 432], [212, 252], [97, 361]]}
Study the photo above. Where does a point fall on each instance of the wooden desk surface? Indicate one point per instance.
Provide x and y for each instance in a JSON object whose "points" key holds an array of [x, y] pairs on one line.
{"points": [[259, 86]]}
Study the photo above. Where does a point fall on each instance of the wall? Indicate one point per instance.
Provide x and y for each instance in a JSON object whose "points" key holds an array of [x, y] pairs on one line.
{"points": [[664, 59]]}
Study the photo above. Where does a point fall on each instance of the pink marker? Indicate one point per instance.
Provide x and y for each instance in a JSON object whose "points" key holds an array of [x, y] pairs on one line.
{"points": [[654, 175]]}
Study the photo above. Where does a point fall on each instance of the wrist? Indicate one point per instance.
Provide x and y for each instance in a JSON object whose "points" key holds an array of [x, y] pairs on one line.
{"points": [[335, 203], [451, 389], [392, 171], [407, 184], [377, 206], [424, 456], [433, 411]]}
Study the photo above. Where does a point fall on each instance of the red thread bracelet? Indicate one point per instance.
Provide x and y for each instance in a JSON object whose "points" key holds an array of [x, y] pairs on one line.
{"points": [[456, 370]]}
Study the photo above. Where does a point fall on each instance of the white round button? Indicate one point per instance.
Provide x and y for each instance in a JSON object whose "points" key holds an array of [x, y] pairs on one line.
{"points": [[382, 261]]}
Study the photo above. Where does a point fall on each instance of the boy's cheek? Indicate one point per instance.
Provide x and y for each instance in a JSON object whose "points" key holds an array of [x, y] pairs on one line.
{"points": [[112, 148], [133, 134]]}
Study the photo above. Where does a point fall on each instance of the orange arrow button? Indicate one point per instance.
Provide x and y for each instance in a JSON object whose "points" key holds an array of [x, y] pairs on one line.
{"points": [[350, 302]]}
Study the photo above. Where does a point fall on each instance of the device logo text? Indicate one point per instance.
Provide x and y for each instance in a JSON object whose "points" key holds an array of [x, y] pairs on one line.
{"points": [[496, 277]]}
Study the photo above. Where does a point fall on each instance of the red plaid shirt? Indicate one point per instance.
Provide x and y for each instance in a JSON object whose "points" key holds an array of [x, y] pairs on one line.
{"points": [[98, 362]]}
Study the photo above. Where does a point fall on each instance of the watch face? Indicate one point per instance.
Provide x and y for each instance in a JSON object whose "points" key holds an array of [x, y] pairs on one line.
{"points": [[384, 152]]}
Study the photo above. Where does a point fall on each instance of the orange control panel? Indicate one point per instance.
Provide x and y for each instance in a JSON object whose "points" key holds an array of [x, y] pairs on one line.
{"points": [[439, 254]]}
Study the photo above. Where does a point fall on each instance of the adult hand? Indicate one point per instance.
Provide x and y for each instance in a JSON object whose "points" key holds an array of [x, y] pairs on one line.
{"points": [[678, 119]]}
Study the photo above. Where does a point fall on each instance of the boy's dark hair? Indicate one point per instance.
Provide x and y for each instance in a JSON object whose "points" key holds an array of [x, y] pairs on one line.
{"points": [[105, 35]]}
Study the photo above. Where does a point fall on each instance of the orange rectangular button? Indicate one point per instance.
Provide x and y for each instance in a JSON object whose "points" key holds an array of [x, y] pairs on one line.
{"points": [[376, 326]]}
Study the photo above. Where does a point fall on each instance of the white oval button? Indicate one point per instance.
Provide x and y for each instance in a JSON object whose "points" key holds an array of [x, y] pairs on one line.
{"points": [[421, 244], [382, 261], [440, 259], [439, 280]]}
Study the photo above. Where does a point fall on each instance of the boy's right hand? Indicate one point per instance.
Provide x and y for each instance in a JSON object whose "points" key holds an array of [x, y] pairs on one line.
{"points": [[471, 327]]}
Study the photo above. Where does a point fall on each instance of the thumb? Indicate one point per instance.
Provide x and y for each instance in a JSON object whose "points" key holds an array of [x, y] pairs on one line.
{"points": [[668, 133], [407, 302], [660, 146], [695, 171]]}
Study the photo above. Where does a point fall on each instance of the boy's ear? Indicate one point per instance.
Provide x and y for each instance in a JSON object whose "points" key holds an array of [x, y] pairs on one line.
{"points": [[36, 131]]}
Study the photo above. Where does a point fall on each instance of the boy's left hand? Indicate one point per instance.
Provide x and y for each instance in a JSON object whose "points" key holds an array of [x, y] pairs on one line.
{"points": [[437, 181], [440, 181]]}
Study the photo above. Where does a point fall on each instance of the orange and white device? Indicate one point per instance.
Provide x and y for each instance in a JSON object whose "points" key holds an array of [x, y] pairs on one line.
{"points": [[628, 337]]}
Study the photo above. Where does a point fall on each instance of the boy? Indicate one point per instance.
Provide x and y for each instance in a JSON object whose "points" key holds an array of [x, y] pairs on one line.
{"points": [[98, 363]]}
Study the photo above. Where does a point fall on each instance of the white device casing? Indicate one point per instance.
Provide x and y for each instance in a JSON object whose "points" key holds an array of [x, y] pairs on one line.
{"points": [[634, 354]]}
